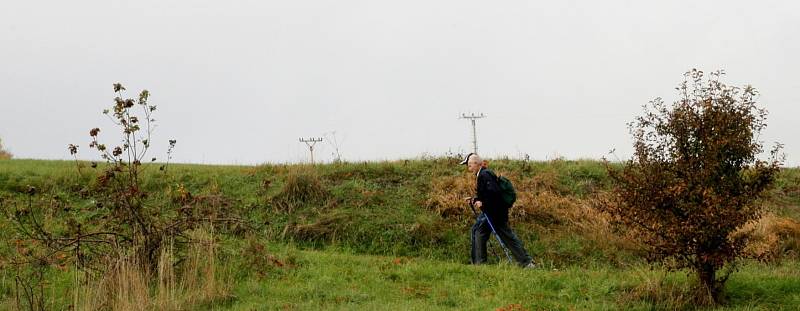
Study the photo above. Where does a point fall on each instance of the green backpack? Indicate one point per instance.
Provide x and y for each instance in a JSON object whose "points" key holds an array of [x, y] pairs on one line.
{"points": [[507, 192]]}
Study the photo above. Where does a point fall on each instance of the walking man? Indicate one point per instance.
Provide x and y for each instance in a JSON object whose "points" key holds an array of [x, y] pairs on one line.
{"points": [[494, 211]]}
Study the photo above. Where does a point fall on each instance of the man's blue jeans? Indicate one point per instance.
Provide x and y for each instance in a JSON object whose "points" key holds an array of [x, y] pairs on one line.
{"points": [[481, 233]]}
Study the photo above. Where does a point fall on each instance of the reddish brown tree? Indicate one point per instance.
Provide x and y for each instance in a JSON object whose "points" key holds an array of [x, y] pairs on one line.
{"points": [[696, 176]]}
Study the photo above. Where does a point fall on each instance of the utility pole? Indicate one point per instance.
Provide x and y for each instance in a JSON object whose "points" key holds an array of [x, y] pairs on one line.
{"points": [[472, 117], [310, 142]]}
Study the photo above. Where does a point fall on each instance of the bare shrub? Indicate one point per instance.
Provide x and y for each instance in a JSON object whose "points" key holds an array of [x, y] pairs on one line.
{"points": [[124, 237], [120, 191]]}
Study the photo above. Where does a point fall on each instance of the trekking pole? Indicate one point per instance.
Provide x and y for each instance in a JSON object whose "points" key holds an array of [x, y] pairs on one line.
{"points": [[472, 206], [505, 249]]}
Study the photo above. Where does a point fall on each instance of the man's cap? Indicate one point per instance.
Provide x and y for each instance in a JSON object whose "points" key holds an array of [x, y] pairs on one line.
{"points": [[466, 159]]}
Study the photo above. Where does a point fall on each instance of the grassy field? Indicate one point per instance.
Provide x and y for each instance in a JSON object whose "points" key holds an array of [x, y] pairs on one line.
{"points": [[343, 281], [392, 235]]}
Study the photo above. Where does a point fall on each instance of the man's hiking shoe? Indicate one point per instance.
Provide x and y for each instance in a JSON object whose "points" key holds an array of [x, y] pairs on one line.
{"points": [[531, 265]]}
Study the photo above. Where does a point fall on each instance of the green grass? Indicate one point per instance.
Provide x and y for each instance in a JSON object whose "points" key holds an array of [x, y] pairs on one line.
{"points": [[342, 245], [334, 279], [338, 280]]}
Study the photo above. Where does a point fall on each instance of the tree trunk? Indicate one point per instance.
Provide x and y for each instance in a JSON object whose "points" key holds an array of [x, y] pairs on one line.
{"points": [[709, 287]]}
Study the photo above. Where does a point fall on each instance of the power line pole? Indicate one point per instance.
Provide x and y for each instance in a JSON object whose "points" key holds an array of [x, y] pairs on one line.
{"points": [[472, 117], [310, 142]]}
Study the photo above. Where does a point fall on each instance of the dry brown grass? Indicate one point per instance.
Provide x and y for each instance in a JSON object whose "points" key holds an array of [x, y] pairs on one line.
{"points": [[772, 238], [127, 284], [447, 195], [541, 204], [560, 217]]}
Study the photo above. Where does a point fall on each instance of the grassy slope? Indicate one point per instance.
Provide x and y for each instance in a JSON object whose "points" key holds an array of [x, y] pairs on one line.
{"points": [[384, 209], [373, 208]]}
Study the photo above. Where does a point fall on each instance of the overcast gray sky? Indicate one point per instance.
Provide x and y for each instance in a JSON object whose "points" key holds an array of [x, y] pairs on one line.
{"points": [[239, 82]]}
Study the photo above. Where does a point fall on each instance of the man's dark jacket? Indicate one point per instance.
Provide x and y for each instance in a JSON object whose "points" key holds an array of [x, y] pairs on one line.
{"points": [[489, 193]]}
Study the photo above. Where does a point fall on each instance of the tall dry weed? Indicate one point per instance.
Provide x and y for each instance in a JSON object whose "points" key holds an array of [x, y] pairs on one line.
{"points": [[129, 285]]}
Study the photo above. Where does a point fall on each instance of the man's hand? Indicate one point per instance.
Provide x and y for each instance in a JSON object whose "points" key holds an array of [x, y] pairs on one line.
{"points": [[479, 204]]}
